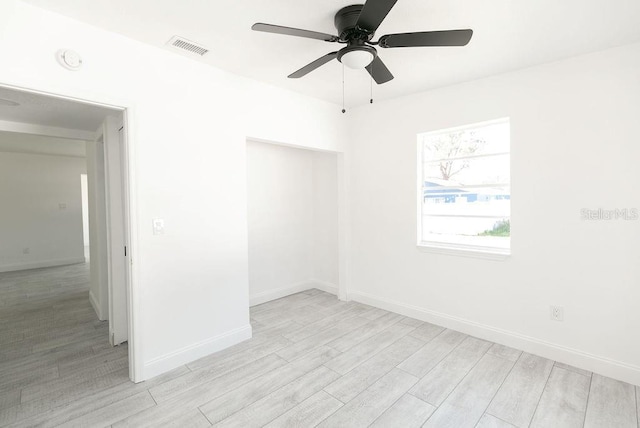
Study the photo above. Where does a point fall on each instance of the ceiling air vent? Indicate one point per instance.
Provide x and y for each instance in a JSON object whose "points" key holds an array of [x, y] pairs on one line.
{"points": [[187, 45]]}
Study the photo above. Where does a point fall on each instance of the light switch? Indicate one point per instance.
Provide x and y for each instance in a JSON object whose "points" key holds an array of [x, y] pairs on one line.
{"points": [[158, 226]]}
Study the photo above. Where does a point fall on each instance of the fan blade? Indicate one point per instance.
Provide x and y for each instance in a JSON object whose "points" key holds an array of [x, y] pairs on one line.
{"points": [[373, 13], [379, 71], [427, 38], [288, 31], [313, 65]]}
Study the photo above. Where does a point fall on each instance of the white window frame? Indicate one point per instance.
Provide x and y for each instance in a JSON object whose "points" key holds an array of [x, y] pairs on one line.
{"points": [[480, 251]]}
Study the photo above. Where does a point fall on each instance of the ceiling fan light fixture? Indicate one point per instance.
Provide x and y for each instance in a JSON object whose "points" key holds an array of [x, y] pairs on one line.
{"points": [[357, 57]]}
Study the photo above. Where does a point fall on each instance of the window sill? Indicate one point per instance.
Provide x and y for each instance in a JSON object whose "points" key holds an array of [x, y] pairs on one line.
{"points": [[464, 251]]}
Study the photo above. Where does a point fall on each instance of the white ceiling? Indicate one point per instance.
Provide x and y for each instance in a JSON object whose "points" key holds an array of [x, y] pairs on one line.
{"points": [[49, 111], [508, 35], [38, 144]]}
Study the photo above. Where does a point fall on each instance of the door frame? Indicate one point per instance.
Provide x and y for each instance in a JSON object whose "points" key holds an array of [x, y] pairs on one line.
{"points": [[114, 178], [129, 181]]}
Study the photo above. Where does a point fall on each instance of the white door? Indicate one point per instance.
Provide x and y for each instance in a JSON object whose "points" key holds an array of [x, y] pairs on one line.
{"points": [[118, 251]]}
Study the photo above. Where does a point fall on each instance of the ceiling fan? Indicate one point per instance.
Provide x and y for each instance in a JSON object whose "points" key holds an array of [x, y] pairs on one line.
{"points": [[356, 27]]}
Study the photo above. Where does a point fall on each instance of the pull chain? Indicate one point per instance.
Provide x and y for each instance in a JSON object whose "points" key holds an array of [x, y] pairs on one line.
{"points": [[371, 85], [343, 109], [371, 89]]}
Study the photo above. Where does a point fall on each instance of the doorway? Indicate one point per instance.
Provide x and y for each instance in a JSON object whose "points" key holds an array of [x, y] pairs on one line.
{"points": [[56, 126]]}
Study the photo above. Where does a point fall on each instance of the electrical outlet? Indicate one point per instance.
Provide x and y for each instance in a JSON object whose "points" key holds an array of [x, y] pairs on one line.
{"points": [[557, 313], [158, 226]]}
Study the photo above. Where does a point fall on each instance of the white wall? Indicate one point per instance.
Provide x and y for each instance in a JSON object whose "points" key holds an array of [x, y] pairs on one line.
{"points": [[190, 123], [325, 220], [35, 229], [98, 290], [292, 218], [85, 209], [574, 141]]}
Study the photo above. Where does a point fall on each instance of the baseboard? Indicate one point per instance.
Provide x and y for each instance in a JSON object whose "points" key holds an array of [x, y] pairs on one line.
{"points": [[615, 369], [324, 286], [96, 305], [172, 360], [41, 264], [267, 296]]}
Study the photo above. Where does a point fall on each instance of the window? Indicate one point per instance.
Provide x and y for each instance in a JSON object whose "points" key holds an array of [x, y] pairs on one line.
{"points": [[464, 196]]}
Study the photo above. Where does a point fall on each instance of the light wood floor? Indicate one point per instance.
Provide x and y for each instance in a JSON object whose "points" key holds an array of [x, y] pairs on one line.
{"points": [[313, 361]]}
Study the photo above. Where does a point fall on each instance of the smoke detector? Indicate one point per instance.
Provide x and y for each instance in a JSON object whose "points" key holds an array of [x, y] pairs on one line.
{"points": [[69, 59], [185, 45]]}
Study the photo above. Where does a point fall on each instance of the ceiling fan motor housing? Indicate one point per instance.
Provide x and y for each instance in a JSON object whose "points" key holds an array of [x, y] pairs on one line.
{"points": [[345, 22]]}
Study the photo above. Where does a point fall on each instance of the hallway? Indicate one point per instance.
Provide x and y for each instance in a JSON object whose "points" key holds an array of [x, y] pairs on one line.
{"points": [[53, 349]]}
